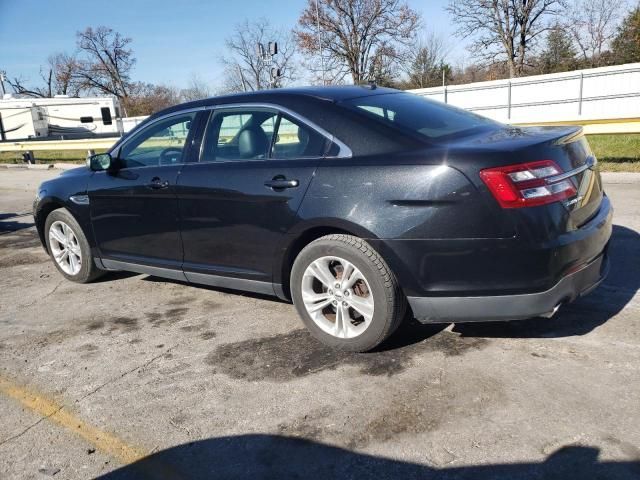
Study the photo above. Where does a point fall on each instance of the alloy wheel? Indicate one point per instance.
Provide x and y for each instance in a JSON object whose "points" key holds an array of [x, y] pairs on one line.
{"points": [[65, 248], [337, 297]]}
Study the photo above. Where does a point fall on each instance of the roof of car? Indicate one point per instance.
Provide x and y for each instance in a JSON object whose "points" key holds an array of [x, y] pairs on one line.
{"points": [[334, 93], [331, 93]]}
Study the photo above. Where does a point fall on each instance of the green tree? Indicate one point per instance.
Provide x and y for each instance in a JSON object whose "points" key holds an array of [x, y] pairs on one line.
{"points": [[626, 45], [559, 53], [426, 62]]}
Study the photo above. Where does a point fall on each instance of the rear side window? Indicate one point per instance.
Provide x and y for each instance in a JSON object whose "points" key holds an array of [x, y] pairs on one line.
{"points": [[425, 117], [258, 135], [295, 140], [239, 135]]}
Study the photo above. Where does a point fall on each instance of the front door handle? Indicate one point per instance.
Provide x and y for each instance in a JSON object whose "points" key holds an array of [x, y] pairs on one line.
{"points": [[157, 184], [280, 183]]}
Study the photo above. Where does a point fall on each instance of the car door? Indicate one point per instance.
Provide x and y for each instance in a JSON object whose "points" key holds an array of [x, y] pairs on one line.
{"points": [[243, 195], [134, 208]]}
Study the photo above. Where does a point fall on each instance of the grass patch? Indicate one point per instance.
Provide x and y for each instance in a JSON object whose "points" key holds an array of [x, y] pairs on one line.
{"points": [[619, 166], [617, 153]]}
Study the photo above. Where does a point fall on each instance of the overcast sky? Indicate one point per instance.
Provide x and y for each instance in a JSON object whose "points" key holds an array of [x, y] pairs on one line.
{"points": [[172, 39]]}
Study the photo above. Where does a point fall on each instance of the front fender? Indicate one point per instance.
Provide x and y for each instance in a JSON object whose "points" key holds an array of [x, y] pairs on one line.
{"points": [[57, 193]]}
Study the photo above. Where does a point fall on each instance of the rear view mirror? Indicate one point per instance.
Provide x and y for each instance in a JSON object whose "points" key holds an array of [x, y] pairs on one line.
{"points": [[101, 161]]}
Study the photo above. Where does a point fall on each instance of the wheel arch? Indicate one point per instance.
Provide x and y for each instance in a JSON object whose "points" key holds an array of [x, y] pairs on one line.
{"points": [[44, 209], [302, 237]]}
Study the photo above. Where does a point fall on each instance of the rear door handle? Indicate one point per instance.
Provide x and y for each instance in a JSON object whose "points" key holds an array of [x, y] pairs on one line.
{"points": [[157, 184], [280, 183]]}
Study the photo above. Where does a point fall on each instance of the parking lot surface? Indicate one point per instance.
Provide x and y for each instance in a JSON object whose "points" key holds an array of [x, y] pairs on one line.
{"points": [[135, 376]]}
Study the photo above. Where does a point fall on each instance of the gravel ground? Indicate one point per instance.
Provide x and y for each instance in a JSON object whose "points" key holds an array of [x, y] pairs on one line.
{"points": [[208, 383]]}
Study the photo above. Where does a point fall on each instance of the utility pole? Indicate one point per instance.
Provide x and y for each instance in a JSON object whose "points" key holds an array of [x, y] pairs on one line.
{"points": [[3, 77], [266, 57], [244, 84], [324, 82]]}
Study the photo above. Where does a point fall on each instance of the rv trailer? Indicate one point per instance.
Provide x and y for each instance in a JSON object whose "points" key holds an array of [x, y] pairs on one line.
{"points": [[23, 123], [69, 117]]}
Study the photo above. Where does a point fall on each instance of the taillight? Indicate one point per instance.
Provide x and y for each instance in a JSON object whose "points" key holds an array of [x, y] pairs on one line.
{"points": [[527, 184]]}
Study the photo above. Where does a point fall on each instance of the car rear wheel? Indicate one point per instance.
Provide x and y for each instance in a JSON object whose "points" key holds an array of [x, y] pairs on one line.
{"points": [[345, 293], [69, 248]]}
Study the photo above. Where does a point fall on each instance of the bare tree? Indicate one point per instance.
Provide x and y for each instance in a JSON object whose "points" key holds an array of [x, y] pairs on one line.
{"points": [[62, 75], [107, 61], [58, 78], [593, 24], [147, 98], [19, 87], [196, 90], [354, 33], [503, 30], [244, 69]]}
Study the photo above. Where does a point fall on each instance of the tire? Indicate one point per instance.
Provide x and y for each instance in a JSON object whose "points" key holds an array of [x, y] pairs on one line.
{"points": [[372, 307], [82, 271]]}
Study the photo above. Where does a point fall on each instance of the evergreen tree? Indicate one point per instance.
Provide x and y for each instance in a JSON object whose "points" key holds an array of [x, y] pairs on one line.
{"points": [[559, 53], [626, 45]]}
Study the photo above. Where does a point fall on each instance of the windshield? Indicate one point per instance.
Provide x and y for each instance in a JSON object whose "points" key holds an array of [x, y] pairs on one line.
{"points": [[426, 117]]}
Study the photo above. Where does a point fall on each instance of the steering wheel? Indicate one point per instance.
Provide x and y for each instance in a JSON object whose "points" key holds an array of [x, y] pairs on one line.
{"points": [[170, 155]]}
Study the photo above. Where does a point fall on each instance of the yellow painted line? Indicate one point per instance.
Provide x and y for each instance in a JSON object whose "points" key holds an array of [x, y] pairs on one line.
{"points": [[103, 441]]}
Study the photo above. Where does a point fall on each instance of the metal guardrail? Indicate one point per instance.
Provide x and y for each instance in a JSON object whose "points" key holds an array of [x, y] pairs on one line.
{"points": [[41, 145]]}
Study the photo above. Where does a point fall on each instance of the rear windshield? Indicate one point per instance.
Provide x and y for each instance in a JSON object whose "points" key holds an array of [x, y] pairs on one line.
{"points": [[428, 118]]}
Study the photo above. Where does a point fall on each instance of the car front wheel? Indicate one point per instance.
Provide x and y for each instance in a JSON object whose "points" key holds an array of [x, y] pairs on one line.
{"points": [[69, 248], [345, 293]]}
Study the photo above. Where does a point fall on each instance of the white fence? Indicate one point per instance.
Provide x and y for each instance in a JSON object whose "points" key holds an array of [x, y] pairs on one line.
{"points": [[584, 96]]}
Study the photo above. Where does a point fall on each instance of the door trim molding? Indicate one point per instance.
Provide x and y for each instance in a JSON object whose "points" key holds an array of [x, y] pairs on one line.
{"points": [[145, 269], [233, 283]]}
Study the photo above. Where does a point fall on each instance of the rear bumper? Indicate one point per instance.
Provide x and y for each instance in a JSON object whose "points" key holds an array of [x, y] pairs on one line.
{"points": [[511, 307]]}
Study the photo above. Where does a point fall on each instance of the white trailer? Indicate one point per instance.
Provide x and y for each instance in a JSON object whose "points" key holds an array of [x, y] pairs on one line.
{"points": [[73, 117], [23, 123]]}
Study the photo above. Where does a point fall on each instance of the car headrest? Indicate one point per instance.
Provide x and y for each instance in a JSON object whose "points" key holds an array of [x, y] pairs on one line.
{"points": [[252, 142]]}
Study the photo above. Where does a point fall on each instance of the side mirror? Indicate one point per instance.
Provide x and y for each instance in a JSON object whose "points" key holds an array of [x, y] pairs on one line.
{"points": [[101, 161]]}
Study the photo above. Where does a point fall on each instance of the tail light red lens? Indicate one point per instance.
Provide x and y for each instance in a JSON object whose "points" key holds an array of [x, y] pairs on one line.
{"points": [[527, 184]]}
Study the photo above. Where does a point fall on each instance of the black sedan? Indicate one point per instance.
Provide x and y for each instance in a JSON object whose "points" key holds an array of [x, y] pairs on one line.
{"points": [[356, 203]]}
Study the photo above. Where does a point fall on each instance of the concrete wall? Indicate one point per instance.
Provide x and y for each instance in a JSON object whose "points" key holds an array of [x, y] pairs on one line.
{"points": [[606, 93]]}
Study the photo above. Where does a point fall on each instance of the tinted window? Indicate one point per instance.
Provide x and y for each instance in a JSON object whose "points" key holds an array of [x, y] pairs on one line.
{"points": [[427, 117], [106, 115], [161, 143], [295, 140], [239, 135]]}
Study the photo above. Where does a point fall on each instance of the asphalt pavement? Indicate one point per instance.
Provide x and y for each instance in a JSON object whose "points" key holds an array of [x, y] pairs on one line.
{"points": [[135, 376]]}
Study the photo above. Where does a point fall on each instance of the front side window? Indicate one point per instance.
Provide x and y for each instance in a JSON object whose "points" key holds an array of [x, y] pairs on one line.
{"points": [[162, 143]]}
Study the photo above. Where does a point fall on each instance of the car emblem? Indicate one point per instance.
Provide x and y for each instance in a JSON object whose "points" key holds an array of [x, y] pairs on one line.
{"points": [[573, 201]]}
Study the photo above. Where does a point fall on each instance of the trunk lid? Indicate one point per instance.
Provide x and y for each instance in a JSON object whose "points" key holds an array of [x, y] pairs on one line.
{"points": [[567, 147], [570, 150]]}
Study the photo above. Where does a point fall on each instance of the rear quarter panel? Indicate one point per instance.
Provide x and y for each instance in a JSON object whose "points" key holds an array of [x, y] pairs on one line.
{"points": [[402, 199]]}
